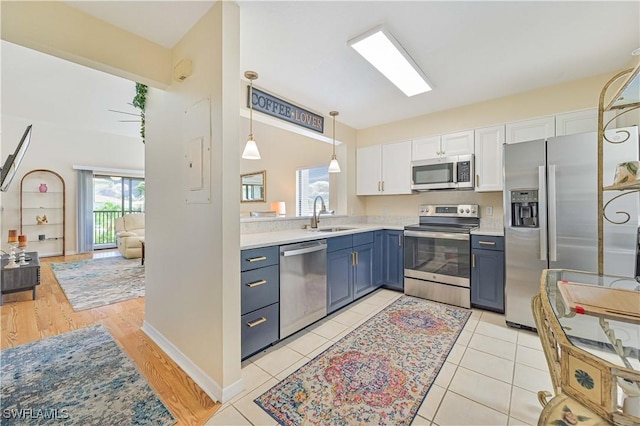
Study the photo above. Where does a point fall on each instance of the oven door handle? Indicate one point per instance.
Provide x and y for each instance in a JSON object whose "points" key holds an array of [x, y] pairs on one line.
{"points": [[440, 235]]}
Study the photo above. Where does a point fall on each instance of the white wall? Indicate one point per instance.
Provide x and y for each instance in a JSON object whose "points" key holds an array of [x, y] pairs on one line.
{"points": [[58, 149], [193, 262]]}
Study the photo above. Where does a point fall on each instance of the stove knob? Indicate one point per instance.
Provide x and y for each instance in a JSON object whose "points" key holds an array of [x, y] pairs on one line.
{"points": [[467, 211], [473, 211], [426, 210], [461, 211]]}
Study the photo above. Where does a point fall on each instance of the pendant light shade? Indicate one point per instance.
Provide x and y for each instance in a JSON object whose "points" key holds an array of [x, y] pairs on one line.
{"points": [[334, 167], [251, 149]]}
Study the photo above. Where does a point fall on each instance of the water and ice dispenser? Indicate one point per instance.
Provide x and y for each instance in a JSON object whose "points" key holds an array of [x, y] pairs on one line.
{"points": [[524, 208]]}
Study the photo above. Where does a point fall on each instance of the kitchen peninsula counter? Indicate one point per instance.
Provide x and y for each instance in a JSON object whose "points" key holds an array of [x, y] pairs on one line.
{"points": [[276, 238]]}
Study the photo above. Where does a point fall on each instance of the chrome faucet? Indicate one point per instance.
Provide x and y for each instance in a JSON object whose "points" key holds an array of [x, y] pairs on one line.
{"points": [[316, 217]]}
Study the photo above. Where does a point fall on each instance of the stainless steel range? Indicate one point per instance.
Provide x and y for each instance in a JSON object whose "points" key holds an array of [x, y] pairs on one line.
{"points": [[437, 253]]}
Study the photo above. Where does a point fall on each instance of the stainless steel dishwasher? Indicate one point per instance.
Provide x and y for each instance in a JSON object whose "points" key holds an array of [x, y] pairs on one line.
{"points": [[303, 285]]}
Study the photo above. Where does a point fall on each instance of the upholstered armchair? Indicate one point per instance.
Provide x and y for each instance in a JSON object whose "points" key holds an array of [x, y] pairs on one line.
{"points": [[130, 234]]}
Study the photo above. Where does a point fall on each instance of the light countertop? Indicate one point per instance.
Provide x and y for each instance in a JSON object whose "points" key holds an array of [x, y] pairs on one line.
{"points": [[488, 230], [276, 238]]}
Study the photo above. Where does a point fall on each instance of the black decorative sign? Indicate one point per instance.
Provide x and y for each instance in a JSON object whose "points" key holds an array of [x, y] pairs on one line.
{"points": [[284, 110]]}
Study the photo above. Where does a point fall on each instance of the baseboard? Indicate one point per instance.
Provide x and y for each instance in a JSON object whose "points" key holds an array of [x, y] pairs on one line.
{"points": [[208, 385]]}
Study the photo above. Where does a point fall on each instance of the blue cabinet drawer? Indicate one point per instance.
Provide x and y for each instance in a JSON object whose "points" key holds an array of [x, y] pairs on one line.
{"points": [[260, 287], [362, 238], [339, 243], [257, 258], [259, 329], [487, 242]]}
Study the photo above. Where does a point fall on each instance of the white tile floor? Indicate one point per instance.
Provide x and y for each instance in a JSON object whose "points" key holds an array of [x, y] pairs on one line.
{"points": [[491, 376]]}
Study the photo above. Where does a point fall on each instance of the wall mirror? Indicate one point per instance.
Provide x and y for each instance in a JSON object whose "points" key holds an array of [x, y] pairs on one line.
{"points": [[253, 187]]}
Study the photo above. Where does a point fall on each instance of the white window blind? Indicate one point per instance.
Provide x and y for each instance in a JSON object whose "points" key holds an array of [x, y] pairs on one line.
{"points": [[311, 182]]}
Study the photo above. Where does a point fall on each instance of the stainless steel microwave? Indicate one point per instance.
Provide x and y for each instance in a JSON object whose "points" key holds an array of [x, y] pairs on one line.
{"points": [[443, 173]]}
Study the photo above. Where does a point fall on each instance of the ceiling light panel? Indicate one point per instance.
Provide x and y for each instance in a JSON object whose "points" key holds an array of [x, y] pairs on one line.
{"points": [[384, 52]]}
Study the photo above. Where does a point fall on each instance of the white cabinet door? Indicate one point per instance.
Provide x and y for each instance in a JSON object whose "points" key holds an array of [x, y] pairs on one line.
{"points": [[460, 143], [529, 130], [488, 150], [426, 148], [368, 170], [396, 168], [577, 122]]}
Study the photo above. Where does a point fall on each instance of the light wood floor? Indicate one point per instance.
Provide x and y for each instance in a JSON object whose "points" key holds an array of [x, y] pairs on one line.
{"points": [[23, 320]]}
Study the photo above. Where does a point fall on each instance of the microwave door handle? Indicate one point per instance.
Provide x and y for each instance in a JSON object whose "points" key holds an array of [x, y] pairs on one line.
{"points": [[454, 168]]}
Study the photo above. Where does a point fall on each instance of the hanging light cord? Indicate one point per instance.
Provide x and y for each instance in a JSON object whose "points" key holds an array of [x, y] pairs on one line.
{"points": [[334, 136], [251, 110]]}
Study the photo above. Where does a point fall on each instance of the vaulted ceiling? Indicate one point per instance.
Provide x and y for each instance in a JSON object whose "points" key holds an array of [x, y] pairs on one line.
{"points": [[470, 51]]}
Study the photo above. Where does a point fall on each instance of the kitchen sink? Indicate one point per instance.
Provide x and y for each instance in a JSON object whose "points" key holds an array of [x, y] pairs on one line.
{"points": [[337, 229]]}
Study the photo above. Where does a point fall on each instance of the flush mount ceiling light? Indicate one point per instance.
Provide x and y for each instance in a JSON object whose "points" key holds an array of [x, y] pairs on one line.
{"points": [[384, 52], [251, 149], [334, 167]]}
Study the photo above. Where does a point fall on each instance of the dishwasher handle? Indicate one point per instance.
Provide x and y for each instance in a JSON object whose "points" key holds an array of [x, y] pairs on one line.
{"points": [[305, 250]]}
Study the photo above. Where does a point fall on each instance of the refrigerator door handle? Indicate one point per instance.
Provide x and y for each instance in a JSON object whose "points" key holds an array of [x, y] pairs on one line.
{"points": [[542, 211], [553, 235]]}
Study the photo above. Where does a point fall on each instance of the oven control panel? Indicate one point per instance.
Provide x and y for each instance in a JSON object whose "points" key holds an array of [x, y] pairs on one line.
{"points": [[449, 210]]}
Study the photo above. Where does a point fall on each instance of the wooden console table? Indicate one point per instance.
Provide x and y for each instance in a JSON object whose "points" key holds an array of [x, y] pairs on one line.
{"points": [[25, 277], [592, 345]]}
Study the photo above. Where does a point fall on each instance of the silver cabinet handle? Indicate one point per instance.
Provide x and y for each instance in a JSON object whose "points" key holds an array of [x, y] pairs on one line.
{"points": [[400, 240], [357, 258], [259, 321], [477, 181], [256, 259], [256, 283], [382, 186], [487, 243], [473, 260]]}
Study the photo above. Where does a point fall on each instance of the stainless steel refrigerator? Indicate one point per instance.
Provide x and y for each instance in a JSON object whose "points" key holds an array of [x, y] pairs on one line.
{"points": [[551, 217]]}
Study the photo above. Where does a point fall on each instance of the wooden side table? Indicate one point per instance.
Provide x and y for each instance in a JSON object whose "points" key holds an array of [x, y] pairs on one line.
{"points": [[26, 277]]}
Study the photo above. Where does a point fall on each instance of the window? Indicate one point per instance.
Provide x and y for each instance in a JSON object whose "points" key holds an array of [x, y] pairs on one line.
{"points": [[310, 183], [114, 196]]}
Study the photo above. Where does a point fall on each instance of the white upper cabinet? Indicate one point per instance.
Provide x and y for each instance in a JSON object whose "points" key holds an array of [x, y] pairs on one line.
{"points": [[449, 145], [396, 168], [577, 122], [369, 170], [426, 148], [460, 143], [384, 169], [488, 158], [529, 130]]}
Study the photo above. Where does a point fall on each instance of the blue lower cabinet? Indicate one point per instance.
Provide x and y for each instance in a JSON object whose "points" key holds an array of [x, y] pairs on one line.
{"points": [[363, 270], [487, 273], [350, 272], [393, 269], [378, 258], [339, 278], [259, 329]]}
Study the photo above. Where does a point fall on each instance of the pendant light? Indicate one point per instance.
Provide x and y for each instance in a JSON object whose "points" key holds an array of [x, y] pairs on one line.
{"points": [[251, 149], [334, 167]]}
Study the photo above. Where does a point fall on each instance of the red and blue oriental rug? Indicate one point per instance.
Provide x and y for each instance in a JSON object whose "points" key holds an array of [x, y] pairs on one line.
{"points": [[378, 374]]}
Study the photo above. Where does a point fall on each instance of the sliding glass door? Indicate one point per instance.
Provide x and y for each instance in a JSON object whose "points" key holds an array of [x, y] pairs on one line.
{"points": [[114, 196]]}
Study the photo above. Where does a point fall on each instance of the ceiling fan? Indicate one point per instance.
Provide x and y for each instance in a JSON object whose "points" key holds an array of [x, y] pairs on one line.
{"points": [[127, 113]]}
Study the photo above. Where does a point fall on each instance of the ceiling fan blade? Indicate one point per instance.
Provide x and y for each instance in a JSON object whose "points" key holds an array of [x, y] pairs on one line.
{"points": [[123, 112]]}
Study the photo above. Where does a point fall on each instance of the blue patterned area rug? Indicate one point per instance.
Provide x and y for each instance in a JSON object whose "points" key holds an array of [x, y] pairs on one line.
{"points": [[79, 378], [378, 374], [98, 282]]}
